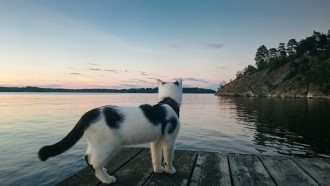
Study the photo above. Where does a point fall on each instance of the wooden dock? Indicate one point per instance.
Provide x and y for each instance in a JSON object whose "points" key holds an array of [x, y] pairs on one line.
{"points": [[132, 166]]}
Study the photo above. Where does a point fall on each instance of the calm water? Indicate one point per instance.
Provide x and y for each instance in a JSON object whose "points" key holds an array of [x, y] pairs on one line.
{"points": [[272, 126]]}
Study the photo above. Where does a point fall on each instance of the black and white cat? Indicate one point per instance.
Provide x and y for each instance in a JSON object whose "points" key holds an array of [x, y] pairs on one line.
{"points": [[108, 128]]}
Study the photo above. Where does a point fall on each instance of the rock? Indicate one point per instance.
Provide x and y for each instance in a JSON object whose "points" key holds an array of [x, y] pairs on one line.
{"points": [[276, 83]]}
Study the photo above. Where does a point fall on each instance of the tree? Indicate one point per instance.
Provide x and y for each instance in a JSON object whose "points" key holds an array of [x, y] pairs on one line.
{"points": [[320, 41], [306, 46], [221, 85], [239, 74], [291, 47], [281, 50], [272, 53], [250, 69], [261, 58], [328, 38]]}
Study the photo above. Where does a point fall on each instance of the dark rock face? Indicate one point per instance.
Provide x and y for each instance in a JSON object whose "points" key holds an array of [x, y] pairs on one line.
{"points": [[277, 83]]}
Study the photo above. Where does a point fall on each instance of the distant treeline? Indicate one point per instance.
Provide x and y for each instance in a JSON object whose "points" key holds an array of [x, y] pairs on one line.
{"points": [[131, 90]]}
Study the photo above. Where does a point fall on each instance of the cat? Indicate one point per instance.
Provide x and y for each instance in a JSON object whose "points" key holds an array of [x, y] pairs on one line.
{"points": [[108, 128]]}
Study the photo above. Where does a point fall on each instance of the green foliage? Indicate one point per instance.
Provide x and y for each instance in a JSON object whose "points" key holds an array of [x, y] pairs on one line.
{"points": [[320, 72], [291, 47], [270, 85], [248, 69], [272, 59], [309, 57], [221, 85], [261, 58], [298, 66]]}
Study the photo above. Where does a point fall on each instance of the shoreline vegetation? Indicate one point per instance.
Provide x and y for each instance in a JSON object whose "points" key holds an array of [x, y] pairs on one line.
{"points": [[194, 90], [295, 69]]}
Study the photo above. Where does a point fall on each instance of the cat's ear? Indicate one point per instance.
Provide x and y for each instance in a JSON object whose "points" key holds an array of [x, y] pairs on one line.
{"points": [[178, 81], [159, 82]]}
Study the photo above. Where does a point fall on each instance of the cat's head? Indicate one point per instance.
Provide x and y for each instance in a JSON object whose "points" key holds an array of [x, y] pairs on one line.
{"points": [[172, 90]]}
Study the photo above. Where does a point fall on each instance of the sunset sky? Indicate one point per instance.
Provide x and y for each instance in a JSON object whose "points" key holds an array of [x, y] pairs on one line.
{"points": [[128, 44]]}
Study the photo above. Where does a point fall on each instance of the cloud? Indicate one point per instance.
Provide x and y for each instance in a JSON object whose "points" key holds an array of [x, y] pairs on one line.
{"points": [[195, 80], [111, 70], [179, 44], [183, 44], [144, 74], [136, 81], [105, 70], [214, 45], [220, 68], [95, 69], [152, 78], [93, 64], [74, 73]]}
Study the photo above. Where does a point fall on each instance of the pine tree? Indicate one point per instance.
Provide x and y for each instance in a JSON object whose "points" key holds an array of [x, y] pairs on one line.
{"points": [[261, 58]]}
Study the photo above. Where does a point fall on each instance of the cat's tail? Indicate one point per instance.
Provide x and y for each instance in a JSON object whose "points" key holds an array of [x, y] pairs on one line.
{"points": [[72, 138]]}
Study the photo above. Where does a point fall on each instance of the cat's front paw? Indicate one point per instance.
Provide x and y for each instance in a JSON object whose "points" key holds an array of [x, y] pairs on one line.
{"points": [[110, 181], [159, 170], [113, 179], [171, 171]]}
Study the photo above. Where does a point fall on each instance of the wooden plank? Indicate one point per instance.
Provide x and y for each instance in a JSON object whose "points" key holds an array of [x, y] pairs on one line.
{"points": [[285, 172], [132, 166], [315, 167], [248, 170], [86, 177], [327, 160], [136, 171], [211, 168], [184, 163]]}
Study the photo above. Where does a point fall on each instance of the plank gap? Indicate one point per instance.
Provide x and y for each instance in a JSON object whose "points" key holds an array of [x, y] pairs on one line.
{"points": [[126, 162], [193, 168], [292, 159], [146, 180], [231, 175], [267, 170]]}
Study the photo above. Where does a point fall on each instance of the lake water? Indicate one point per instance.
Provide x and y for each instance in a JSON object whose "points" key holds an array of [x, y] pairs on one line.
{"points": [[270, 126]]}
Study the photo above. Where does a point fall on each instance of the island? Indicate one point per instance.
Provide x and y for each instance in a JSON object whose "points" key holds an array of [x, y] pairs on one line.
{"points": [[295, 69]]}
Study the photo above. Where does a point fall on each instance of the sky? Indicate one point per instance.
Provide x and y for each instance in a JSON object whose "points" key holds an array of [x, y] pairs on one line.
{"points": [[130, 44]]}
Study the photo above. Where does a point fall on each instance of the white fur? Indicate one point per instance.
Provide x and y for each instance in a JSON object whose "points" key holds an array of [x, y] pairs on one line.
{"points": [[103, 141], [170, 90]]}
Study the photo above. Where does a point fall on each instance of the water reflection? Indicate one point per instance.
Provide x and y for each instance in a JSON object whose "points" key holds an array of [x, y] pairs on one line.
{"points": [[297, 127]]}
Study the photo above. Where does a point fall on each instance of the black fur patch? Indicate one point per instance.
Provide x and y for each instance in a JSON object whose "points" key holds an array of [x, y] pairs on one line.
{"points": [[156, 114], [173, 123], [112, 117], [172, 104], [90, 117]]}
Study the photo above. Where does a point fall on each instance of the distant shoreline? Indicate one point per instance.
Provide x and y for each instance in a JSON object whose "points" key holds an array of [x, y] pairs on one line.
{"points": [[131, 90]]}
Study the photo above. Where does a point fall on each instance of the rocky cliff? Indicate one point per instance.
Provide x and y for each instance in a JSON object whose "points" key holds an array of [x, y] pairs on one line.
{"points": [[306, 77]]}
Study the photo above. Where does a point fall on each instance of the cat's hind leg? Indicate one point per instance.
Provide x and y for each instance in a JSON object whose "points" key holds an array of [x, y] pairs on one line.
{"points": [[89, 165], [156, 154], [103, 176], [168, 150], [98, 160]]}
